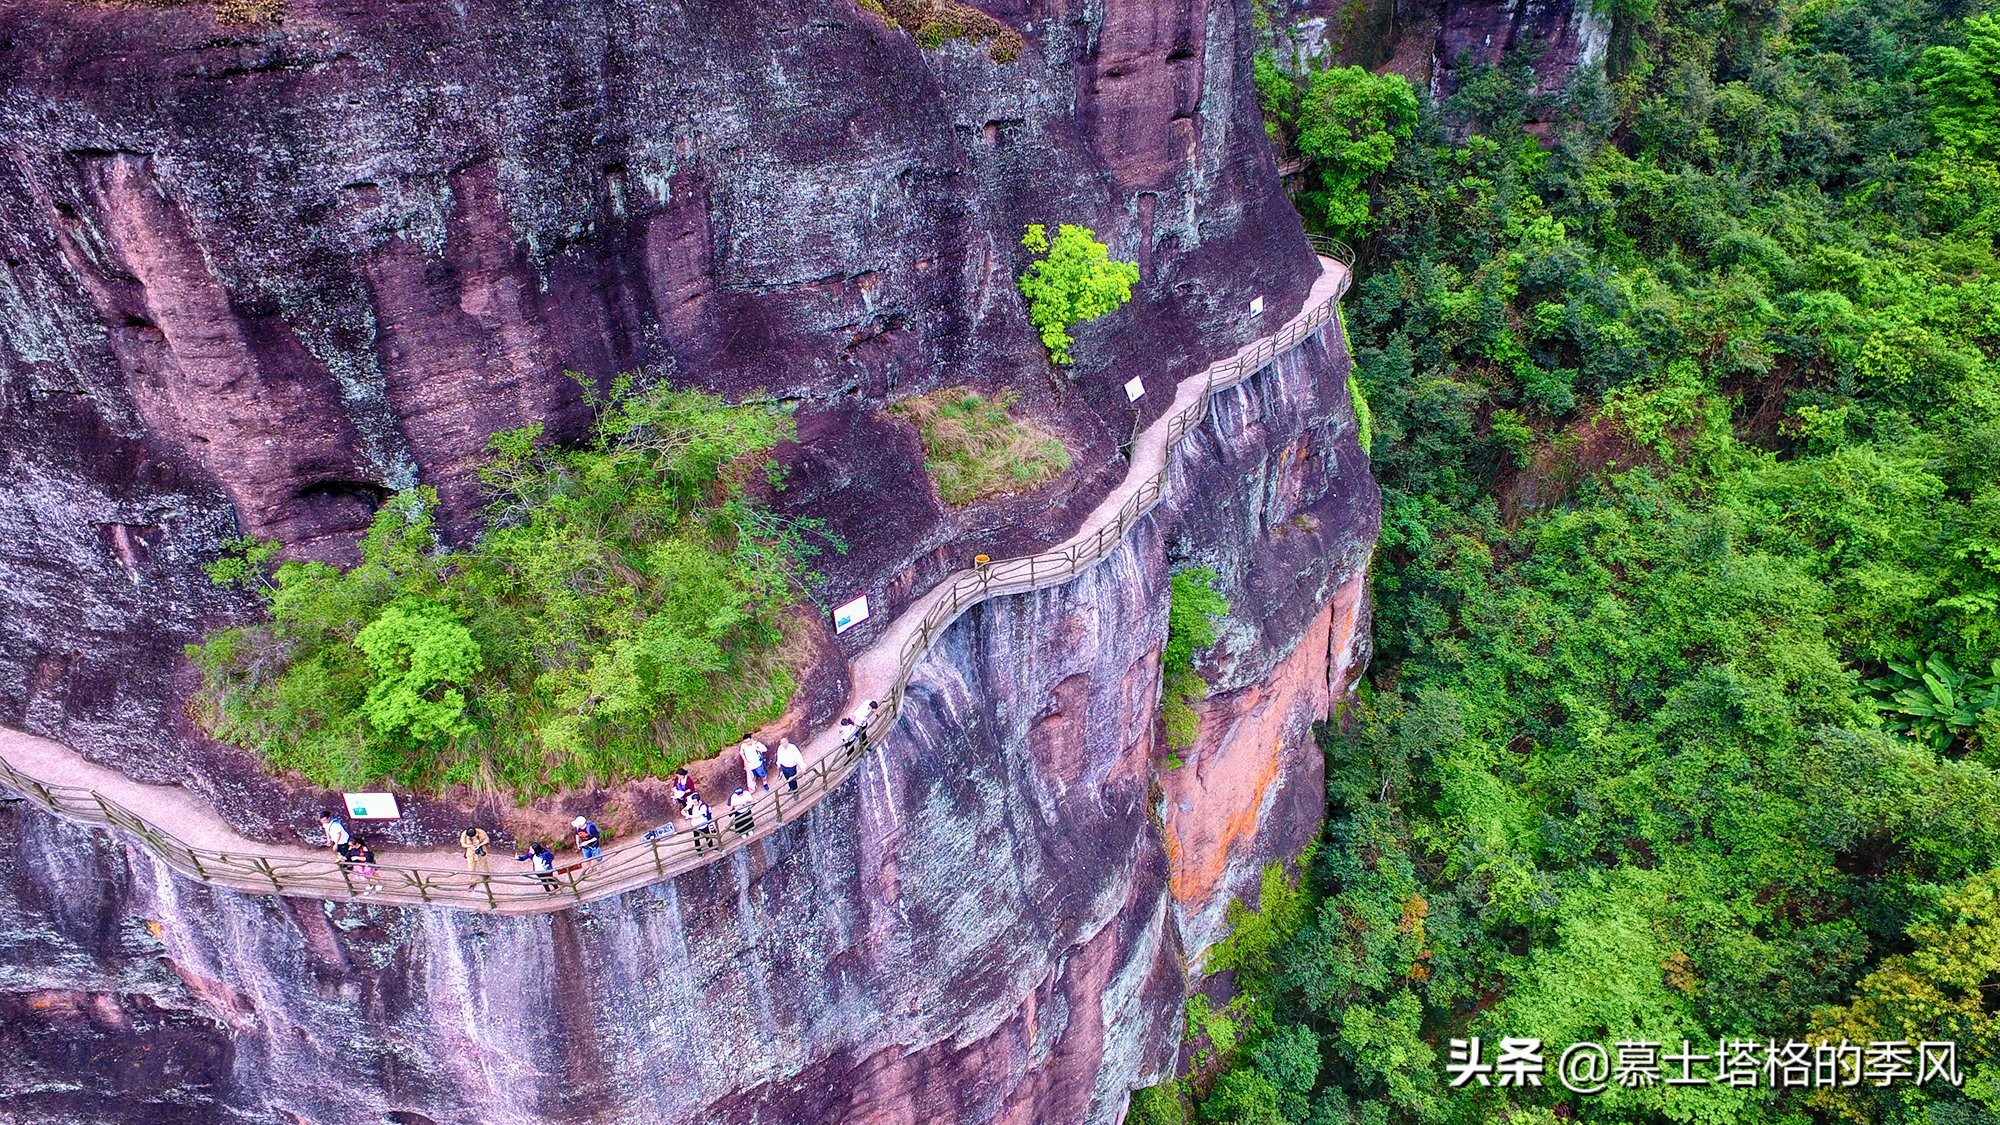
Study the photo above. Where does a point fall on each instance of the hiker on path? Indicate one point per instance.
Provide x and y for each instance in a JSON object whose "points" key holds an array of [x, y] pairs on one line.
{"points": [[754, 753], [865, 713], [790, 758], [683, 786], [334, 830], [363, 858], [474, 841], [855, 727], [587, 839], [542, 862], [702, 821], [741, 817]]}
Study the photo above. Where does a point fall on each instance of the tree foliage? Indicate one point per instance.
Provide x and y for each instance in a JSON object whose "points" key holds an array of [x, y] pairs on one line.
{"points": [[621, 610], [1193, 608], [1072, 279], [1687, 417], [1346, 124]]}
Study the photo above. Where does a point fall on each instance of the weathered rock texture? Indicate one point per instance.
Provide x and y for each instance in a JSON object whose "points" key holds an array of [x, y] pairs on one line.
{"points": [[1564, 36], [260, 276], [994, 921], [1435, 43], [256, 278]]}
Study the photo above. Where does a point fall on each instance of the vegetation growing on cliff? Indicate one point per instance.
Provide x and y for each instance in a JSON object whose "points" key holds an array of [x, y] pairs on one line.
{"points": [[1072, 279], [935, 22], [1194, 606], [622, 610], [1345, 125], [975, 448], [1687, 417]]}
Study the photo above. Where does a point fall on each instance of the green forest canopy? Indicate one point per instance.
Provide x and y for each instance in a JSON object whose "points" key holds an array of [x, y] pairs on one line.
{"points": [[1682, 722], [621, 611]]}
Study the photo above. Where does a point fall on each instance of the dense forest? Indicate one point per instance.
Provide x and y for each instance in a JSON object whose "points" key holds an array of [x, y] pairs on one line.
{"points": [[1685, 710]]}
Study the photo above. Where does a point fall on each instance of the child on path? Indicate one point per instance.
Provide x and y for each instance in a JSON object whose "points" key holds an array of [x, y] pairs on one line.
{"points": [[753, 762], [363, 859], [790, 758]]}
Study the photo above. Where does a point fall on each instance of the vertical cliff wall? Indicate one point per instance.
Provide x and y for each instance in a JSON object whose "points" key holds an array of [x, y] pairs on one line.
{"points": [[257, 276], [994, 921]]}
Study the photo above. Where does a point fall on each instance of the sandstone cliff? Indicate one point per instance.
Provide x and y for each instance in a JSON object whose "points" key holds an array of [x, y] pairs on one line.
{"points": [[996, 920], [258, 276]]}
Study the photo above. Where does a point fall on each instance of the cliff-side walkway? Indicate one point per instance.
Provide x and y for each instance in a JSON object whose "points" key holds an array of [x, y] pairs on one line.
{"points": [[184, 832]]}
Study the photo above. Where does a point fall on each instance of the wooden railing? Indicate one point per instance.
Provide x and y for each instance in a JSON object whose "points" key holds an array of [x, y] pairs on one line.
{"points": [[666, 852]]}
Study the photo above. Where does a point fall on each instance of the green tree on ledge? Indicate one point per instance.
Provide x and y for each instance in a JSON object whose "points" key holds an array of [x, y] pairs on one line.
{"points": [[1075, 279], [1193, 608], [622, 610]]}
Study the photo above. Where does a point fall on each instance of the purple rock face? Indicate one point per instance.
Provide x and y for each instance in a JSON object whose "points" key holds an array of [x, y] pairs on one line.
{"points": [[260, 276], [1568, 35], [993, 921]]}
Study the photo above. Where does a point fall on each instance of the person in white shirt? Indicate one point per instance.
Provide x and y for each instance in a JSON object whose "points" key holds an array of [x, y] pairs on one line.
{"points": [[741, 816], [790, 759], [753, 762], [863, 715], [336, 832], [701, 821]]}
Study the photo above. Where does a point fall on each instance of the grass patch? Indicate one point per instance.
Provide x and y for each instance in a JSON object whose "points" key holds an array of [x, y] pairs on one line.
{"points": [[625, 609], [934, 22], [974, 448]]}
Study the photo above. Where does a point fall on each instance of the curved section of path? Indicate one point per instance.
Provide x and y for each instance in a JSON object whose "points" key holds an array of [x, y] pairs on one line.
{"points": [[185, 833]]}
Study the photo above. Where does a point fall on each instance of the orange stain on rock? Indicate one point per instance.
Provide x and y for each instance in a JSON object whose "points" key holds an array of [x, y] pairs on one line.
{"points": [[1215, 803]]}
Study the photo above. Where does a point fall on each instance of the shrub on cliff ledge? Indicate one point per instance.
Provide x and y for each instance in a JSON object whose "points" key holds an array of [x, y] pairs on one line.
{"points": [[621, 612], [973, 448], [1074, 280], [933, 22], [1192, 611]]}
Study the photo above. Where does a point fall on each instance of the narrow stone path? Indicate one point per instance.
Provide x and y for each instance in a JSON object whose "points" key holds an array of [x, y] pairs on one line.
{"points": [[184, 831]]}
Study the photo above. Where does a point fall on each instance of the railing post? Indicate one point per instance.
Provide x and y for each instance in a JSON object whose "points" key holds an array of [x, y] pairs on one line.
{"points": [[486, 884], [264, 864], [659, 865], [777, 807]]}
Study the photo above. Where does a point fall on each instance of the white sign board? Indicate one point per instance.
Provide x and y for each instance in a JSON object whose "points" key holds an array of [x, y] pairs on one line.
{"points": [[1256, 306], [848, 616], [1135, 388], [371, 806]]}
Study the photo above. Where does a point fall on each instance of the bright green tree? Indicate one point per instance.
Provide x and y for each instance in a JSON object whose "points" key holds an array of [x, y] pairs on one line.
{"points": [[1073, 280], [1964, 88], [1349, 127], [422, 657], [1193, 608]]}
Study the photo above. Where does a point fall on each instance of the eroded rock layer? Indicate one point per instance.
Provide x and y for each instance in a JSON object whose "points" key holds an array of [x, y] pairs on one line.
{"points": [[259, 276], [995, 920]]}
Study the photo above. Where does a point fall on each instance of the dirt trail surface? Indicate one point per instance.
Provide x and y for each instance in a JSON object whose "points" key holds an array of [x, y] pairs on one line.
{"points": [[185, 832]]}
